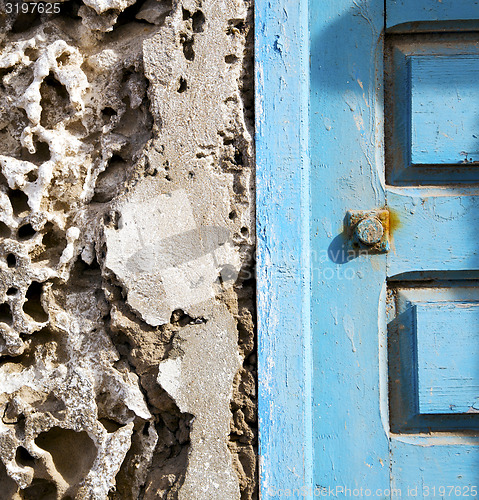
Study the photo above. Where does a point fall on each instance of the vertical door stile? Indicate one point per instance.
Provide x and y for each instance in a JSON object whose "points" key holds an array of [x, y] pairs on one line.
{"points": [[282, 207]]}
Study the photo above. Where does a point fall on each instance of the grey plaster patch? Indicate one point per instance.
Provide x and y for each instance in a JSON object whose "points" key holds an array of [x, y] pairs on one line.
{"points": [[161, 256], [205, 390]]}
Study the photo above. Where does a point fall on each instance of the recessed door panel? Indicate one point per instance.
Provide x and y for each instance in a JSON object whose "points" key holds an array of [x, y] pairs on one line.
{"points": [[444, 103], [447, 344], [432, 105], [435, 467], [433, 356]]}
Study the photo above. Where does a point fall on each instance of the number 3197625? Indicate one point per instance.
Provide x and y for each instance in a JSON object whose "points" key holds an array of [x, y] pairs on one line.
{"points": [[32, 7]]}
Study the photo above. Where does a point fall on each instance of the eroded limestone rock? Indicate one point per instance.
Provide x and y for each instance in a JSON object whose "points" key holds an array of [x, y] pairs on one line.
{"points": [[125, 252]]}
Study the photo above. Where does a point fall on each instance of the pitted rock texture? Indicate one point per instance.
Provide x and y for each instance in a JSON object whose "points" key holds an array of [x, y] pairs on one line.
{"points": [[127, 363]]}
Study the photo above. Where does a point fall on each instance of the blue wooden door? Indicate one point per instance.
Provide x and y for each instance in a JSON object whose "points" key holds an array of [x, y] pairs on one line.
{"points": [[368, 239]]}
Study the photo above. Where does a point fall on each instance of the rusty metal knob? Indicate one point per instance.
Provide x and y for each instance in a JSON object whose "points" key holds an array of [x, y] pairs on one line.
{"points": [[370, 231]]}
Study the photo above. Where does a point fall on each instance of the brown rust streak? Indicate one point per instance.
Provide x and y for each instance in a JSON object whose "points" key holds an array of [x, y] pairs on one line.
{"points": [[394, 221]]}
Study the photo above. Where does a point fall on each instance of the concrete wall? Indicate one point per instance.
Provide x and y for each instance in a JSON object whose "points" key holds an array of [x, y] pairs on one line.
{"points": [[127, 364]]}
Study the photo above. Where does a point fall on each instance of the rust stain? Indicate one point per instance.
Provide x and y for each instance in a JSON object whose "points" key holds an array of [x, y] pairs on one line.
{"points": [[394, 221]]}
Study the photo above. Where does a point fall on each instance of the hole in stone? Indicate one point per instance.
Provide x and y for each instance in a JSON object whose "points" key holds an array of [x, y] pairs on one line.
{"points": [[53, 244], [6, 314], [127, 15], [55, 101], [236, 25], [182, 86], [23, 457], [4, 230], [198, 21], [110, 181], [33, 305], [12, 291], [69, 10], [180, 318], [186, 14], [191, 175], [31, 53], [51, 81], [26, 360], [238, 188], [108, 112], [24, 22], [41, 155], [77, 128], [26, 232], [40, 488], [238, 157], [110, 425], [51, 404], [5, 71], [19, 202], [73, 452], [8, 485], [188, 50], [63, 59], [32, 176], [231, 59], [126, 75], [232, 215], [112, 219], [11, 260], [244, 231]]}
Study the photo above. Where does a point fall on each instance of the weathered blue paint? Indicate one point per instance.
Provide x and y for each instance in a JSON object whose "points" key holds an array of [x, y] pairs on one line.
{"points": [[414, 11], [350, 436], [282, 186], [339, 327], [432, 332]]}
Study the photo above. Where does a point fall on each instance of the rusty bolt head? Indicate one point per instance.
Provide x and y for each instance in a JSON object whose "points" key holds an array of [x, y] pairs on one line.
{"points": [[370, 231]]}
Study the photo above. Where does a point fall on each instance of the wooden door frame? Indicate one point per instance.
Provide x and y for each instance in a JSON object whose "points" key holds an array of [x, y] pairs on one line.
{"points": [[283, 275]]}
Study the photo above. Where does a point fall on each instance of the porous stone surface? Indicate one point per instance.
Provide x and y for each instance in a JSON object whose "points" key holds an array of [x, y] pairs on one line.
{"points": [[127, 363]]}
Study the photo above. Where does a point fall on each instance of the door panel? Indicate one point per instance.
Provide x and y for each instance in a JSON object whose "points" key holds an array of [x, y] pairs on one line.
{"points": [[447, 373], [439, 85], [432, 109], [432, 376]]}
